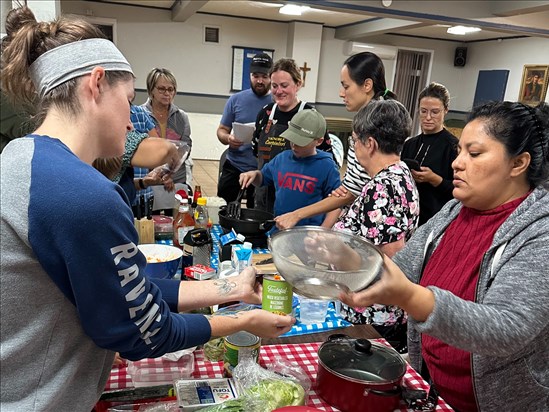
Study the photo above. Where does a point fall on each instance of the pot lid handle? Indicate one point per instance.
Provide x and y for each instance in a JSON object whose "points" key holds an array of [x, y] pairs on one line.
{"points": [[363, 346]]}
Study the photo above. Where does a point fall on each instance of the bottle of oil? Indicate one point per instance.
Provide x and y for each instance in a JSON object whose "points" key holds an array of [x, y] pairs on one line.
{"points": [[201, 213]]}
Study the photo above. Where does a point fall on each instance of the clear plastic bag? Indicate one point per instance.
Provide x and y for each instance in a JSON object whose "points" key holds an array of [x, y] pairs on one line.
{"points": [[168, 169], [170, 406], [263, 390], [183, 151], [162, 406], [282, 384]]}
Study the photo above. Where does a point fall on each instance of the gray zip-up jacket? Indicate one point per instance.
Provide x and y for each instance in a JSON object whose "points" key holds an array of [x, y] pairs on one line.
{"points": [[506, 328]]}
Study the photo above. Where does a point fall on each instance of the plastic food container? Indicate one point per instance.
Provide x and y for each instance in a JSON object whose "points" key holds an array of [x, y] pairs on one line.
{"points": [[196, 394], [213, 205], [159, 371], [163, 227]]}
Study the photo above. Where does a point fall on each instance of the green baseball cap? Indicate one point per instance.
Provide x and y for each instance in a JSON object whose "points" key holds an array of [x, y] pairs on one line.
{"points": [[304, 127]]}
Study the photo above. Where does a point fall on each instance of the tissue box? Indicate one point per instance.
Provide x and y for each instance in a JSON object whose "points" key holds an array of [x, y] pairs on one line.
{"points": [[199, 272]]}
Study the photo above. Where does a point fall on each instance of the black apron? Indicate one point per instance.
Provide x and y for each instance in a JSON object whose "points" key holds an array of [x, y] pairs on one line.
{"points": [[269, 144]]}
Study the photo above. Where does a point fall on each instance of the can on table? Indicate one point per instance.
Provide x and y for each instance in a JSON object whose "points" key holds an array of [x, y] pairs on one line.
{"points": [[239, 346], [277, 295]]}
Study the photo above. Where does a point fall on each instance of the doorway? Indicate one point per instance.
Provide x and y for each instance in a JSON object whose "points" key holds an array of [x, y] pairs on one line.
{"points": [[411, 76]]}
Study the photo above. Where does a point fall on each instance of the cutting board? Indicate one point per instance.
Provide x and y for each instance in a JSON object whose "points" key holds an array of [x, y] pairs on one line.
{"points": [[266, 268]]}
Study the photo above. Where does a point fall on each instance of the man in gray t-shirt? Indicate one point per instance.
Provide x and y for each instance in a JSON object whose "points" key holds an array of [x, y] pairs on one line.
{"points": [[243, 107]]}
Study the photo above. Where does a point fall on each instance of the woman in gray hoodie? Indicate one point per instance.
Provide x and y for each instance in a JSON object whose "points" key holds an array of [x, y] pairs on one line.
{"points": [[474, 279]]}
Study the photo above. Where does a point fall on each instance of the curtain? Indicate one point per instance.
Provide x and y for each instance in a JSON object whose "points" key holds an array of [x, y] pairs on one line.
{"points": [[410, 79]]}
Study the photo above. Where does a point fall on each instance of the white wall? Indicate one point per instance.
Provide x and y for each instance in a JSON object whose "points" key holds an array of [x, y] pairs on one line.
{"points": [[510, 55], [205, 142], [304, 47], [331, 60], [149, 38]]}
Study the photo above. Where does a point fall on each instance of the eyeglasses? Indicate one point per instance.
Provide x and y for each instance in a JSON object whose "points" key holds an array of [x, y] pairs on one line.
{"points": [[433, 113], [353, 138], [164, 90]]}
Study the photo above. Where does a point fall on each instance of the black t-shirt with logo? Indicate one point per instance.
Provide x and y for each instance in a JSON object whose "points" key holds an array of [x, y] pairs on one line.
{"points": [[267, 142]]}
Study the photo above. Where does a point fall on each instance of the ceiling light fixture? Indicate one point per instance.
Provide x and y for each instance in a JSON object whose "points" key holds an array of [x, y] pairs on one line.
{"points": [[462, 30], [293, 10]]}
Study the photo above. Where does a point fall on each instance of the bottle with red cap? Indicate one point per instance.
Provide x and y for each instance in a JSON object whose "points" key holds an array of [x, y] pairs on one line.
{"points": [[197, 194], [179, 196]]}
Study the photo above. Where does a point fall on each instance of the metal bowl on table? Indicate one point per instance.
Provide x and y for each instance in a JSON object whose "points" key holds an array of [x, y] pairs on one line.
{"points": [[320, 263]]}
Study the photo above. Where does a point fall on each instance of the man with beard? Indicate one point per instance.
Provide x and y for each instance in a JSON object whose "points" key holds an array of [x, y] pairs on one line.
{"points": [[243, 107]]}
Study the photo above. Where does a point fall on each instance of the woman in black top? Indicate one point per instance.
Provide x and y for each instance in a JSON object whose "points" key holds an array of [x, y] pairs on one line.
{"points": [[434, 150], [273, 119]]}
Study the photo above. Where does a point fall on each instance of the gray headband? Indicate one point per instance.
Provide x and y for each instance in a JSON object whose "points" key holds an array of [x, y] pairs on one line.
{"points": [[71, 60]]}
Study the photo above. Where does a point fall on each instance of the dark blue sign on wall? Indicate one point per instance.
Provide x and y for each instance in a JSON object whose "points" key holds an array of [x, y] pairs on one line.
{"points": [[491, 85]]}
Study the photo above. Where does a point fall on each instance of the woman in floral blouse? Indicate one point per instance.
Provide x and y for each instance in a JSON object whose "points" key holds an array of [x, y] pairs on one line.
{"points": [[387, 210]]}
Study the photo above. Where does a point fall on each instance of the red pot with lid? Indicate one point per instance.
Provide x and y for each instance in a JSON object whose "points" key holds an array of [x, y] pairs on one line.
{"points": [[359, 375]]}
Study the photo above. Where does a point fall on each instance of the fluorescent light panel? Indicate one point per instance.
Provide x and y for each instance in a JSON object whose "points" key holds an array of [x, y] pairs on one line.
{"points": [[462, 30], [293, 9]]}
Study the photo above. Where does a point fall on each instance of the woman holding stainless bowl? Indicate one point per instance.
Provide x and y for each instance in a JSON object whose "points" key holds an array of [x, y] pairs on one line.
{"points": [[473, 279]]}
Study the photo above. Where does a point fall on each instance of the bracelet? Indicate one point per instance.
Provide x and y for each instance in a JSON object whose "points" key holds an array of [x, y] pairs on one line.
{"points": [[141, 184]]}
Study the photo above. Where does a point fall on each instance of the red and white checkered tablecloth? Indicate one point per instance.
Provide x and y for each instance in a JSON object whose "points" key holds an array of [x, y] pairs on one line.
{"points": [[305, 355]]}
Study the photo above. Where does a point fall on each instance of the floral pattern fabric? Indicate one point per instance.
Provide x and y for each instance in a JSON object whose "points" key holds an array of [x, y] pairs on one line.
{"points": [[386, 211]]}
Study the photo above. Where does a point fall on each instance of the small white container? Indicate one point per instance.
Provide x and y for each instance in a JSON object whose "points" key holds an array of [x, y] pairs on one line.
{"points": [[241, 256], [213, 206]]}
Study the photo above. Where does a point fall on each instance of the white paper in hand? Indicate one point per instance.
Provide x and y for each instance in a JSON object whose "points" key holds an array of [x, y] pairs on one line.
{"points": [[243, 132]]}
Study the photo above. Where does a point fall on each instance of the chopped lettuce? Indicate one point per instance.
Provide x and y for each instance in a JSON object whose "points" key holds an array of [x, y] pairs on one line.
{"points": [[266, 395], [278, 392], [233, 405]]}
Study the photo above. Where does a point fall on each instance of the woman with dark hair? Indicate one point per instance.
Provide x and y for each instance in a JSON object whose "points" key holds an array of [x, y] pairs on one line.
{"points": [[474, 278], [362, 80], [431, 153], [273, 119], [73, 285], [387, 210]]}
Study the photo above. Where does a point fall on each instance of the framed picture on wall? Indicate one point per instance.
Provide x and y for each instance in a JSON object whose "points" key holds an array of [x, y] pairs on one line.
{"points": [[533, 87], [242, 57]]}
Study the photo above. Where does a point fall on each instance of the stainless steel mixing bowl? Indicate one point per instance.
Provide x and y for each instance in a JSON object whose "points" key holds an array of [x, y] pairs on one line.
{"points": [[311, 258]]}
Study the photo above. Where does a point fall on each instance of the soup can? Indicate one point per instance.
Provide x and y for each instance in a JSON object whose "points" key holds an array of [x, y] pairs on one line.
{"points": [[277, 295], [238, 346]]}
